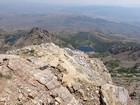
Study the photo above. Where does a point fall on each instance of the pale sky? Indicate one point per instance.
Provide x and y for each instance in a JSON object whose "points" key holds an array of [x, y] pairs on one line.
{"points": [[85, 2]]}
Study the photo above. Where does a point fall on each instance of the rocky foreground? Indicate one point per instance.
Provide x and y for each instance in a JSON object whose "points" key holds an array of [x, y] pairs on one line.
{"points": [[48, 75]]}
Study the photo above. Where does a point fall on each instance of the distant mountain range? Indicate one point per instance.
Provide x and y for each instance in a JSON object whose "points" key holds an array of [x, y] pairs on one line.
{"points": [[108, 12], [109, 20], [71, 24]]}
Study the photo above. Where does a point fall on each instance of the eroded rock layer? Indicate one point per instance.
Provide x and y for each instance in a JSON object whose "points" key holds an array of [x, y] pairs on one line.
{"points": [[48, 75]]}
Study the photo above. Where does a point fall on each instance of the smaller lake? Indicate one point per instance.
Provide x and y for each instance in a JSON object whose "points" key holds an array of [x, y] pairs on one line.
{"points": [[85, 48], [10, 40]]}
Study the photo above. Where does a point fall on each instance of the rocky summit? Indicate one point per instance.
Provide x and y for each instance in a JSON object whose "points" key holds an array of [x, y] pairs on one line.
{"points": [[37, 36], [49, 75]]}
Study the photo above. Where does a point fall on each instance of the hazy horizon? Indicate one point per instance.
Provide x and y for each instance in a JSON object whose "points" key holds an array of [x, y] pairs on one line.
{"points": [[123, 3], [16, 13]]}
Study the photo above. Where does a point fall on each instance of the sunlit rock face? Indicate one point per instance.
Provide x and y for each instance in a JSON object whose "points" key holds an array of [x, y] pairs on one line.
{"points": [[47, 74]]}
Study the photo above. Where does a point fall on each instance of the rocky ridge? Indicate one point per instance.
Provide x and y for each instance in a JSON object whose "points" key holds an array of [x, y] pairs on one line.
{"points": [[49, 75], [38, 36], [35, 37]]}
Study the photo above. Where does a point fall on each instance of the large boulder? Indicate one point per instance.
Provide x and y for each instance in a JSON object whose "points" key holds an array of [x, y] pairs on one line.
{"points": [[113, 95]]}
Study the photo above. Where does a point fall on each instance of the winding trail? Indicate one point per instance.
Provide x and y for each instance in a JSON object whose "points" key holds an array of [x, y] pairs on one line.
{"points": [[89, 38]]}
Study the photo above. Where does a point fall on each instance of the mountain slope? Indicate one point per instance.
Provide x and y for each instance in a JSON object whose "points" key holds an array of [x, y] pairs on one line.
{"points": [[98, 41], [47, 74], [35, 37], [125, 70]]}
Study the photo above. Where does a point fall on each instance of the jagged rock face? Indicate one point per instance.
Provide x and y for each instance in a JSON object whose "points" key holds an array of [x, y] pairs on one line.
{"points": [[35, 37], [79, 63], [113, 95], [46, 74], [38, 36]]}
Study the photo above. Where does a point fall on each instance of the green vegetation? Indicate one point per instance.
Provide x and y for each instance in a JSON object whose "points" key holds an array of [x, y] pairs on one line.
{"points": [[87, 39], [97, 41], [117, 71], [1, 75], [99, 54], [79, 39], [32, 51], [128, 70], [112, 64], [125, 72], [5, 76]]}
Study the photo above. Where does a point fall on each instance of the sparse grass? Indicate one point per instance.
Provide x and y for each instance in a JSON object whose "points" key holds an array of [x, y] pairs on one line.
{"points": [[127, 70], [7, 76], [32, 51], [112, 64], [1, 75], [138, 74], [101, 55], [113, 74]]}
